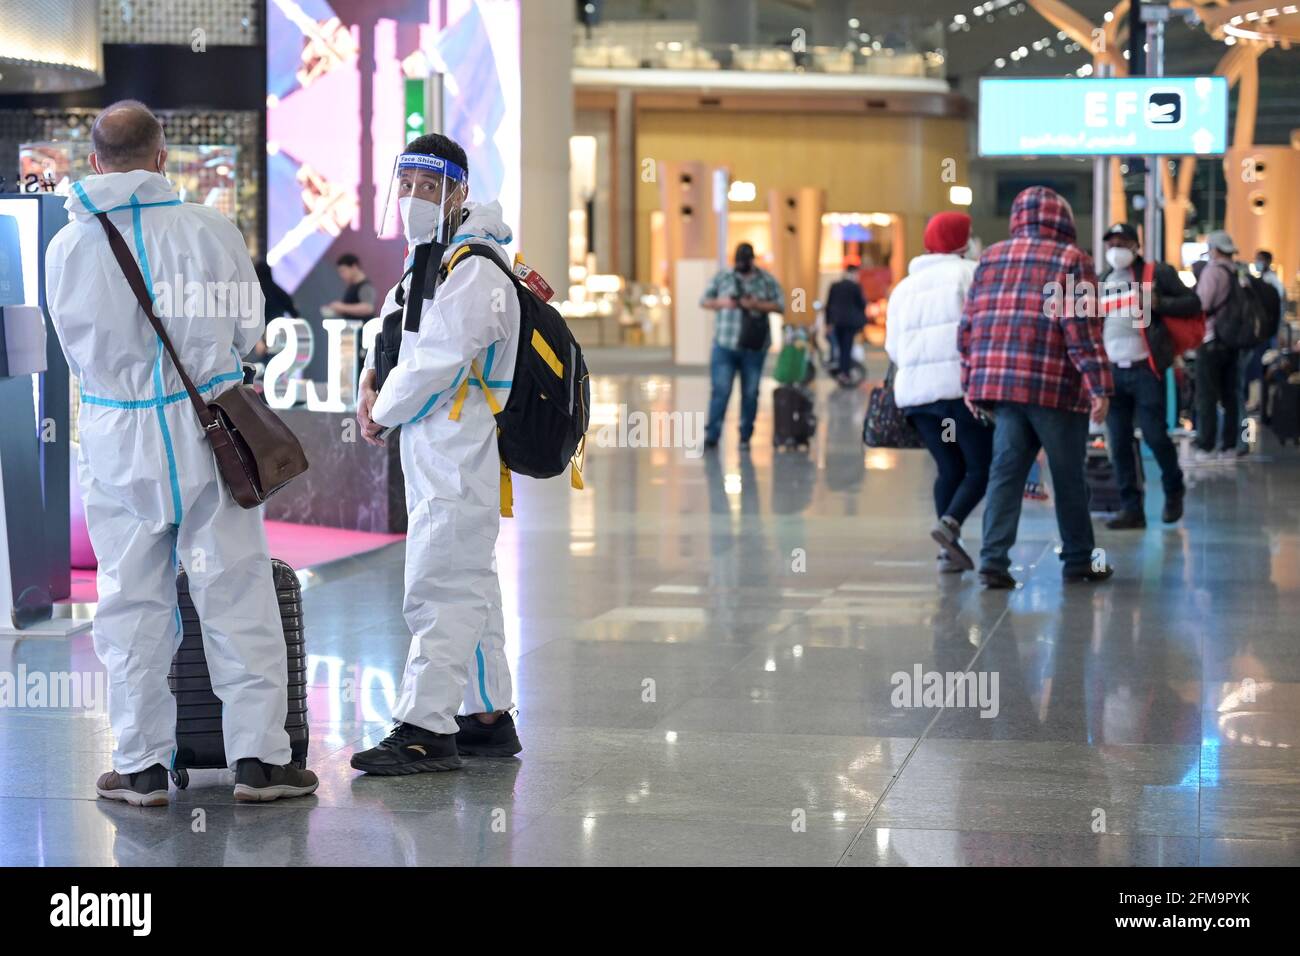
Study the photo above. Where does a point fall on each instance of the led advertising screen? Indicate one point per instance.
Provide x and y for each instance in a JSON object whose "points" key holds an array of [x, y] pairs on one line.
{"points": [[1128, 116], [343, 100]]}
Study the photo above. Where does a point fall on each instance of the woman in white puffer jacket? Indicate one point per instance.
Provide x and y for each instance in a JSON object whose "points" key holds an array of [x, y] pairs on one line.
{"points": [[921, 339]]}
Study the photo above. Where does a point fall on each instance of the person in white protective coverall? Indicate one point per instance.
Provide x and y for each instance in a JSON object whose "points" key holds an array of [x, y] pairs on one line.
{"points": [[152, 492], [452, 469]]}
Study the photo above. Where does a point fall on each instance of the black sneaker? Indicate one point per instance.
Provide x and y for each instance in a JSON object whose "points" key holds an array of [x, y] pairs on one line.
{"points": [[409, 749], [499, 739], [258, 782], [997, 580], [1173, 510], [1089, 575], [1126, 520], [144, 788]]}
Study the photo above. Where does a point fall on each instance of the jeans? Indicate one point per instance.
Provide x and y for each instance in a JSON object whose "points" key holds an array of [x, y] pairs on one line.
{"points": [[1250, 366], [1140, 396], [1216, 384], [845, 336], [724, 365], [962, 449], [1020, 431]]}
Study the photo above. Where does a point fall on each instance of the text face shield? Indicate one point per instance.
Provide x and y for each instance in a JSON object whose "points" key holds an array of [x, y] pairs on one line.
{"points": [[427, 192]]}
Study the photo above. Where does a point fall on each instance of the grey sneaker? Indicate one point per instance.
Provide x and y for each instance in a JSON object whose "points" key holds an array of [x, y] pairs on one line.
{"points": [[144, 788], [257, 782], [946, 533], [946, 565]]}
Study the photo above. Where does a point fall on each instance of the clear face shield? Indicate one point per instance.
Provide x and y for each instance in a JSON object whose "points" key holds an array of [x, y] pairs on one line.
{"points": [[427, 192]]}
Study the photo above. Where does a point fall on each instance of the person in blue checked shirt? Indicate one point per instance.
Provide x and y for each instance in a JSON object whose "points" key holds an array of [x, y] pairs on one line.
{"points": [[743, 297]]}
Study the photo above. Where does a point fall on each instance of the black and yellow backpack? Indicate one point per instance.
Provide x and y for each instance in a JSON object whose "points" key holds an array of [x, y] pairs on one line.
{"points": [[540, 430]]}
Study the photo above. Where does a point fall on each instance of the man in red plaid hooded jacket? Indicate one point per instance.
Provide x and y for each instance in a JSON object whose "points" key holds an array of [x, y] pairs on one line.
{"points": [[1033, 360]]}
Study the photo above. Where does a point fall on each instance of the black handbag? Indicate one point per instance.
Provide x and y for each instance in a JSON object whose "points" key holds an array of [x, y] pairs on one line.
{"points": [[755, 329], [885, 425]]}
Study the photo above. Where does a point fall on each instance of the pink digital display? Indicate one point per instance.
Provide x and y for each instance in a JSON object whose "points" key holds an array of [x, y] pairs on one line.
{"points": [[339, 75]]}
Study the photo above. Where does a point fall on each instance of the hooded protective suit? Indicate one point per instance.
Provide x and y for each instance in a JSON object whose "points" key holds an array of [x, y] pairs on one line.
{"points": [[151, 488], [453, 479]]}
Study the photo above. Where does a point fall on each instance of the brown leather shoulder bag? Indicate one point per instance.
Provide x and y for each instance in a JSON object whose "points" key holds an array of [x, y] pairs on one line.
{"points": [[256, 452]]}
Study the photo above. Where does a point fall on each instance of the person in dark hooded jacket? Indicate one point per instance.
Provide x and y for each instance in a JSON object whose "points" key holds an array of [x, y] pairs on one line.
{"points": [[1033, 360]]}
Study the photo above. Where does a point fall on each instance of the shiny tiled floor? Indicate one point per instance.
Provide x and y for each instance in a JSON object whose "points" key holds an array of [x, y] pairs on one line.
{"points": [[704, 650]]}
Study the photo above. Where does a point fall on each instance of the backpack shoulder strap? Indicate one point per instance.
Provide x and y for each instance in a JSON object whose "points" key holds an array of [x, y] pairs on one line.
{"points": [[1232, 282], [414, 304], [476, 249]]}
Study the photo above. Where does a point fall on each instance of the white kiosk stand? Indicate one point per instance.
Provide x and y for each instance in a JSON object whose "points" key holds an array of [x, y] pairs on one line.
{"points": [[34, 430]]}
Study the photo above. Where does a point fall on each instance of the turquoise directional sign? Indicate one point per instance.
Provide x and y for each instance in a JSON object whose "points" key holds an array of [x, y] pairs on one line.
{"points": [[1125, 116]]}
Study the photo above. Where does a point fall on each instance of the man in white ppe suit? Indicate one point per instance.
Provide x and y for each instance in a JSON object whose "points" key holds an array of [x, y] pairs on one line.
{"points": [[151, 488], [467, 338]]}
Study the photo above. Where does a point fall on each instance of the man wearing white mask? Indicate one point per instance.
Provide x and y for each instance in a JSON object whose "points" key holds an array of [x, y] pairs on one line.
{"points": [[1140, 346], [152, 492], [460, 335]]}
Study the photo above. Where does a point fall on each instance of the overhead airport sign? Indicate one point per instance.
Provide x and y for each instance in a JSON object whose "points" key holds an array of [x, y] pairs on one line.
{"points": [[1123, 116]]}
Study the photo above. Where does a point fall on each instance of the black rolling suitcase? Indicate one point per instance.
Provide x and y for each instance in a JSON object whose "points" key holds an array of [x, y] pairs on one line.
{"points": [[199, 744], [1284, 410], [794, 421], [1282, 396], [1103, 484]]}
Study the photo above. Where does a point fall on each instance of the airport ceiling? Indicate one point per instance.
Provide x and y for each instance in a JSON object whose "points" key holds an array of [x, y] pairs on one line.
{"points": [[975, 46]]}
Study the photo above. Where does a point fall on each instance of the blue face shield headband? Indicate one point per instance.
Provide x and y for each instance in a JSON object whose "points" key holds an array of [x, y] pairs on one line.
{"points": [[427, 189], [434, 164]]}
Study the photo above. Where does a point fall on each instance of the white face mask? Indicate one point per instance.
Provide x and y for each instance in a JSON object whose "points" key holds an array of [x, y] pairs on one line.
{"points": [[1119, 257], [419, 218]]}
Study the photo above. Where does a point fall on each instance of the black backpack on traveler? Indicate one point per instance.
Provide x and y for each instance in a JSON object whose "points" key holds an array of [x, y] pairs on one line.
{"points": [[1249, 314], [545, 418]]}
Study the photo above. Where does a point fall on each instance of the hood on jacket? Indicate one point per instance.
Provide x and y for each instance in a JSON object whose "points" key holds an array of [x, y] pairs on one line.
{"points": [[111, 191], [1042, 213], [483, 222]]}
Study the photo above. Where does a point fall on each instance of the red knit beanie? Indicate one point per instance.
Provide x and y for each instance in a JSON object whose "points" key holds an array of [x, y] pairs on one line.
{"points": [[947, 232]]}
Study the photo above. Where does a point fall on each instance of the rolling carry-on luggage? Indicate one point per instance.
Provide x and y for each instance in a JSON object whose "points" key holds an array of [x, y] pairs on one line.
{"points": [[794, 421], [1103, 484], [1284, 410], [1282, 396], [199, 744]]}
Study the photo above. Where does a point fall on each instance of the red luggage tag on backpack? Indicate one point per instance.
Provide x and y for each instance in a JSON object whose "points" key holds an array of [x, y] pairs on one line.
{"points": [[533, 279]]}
